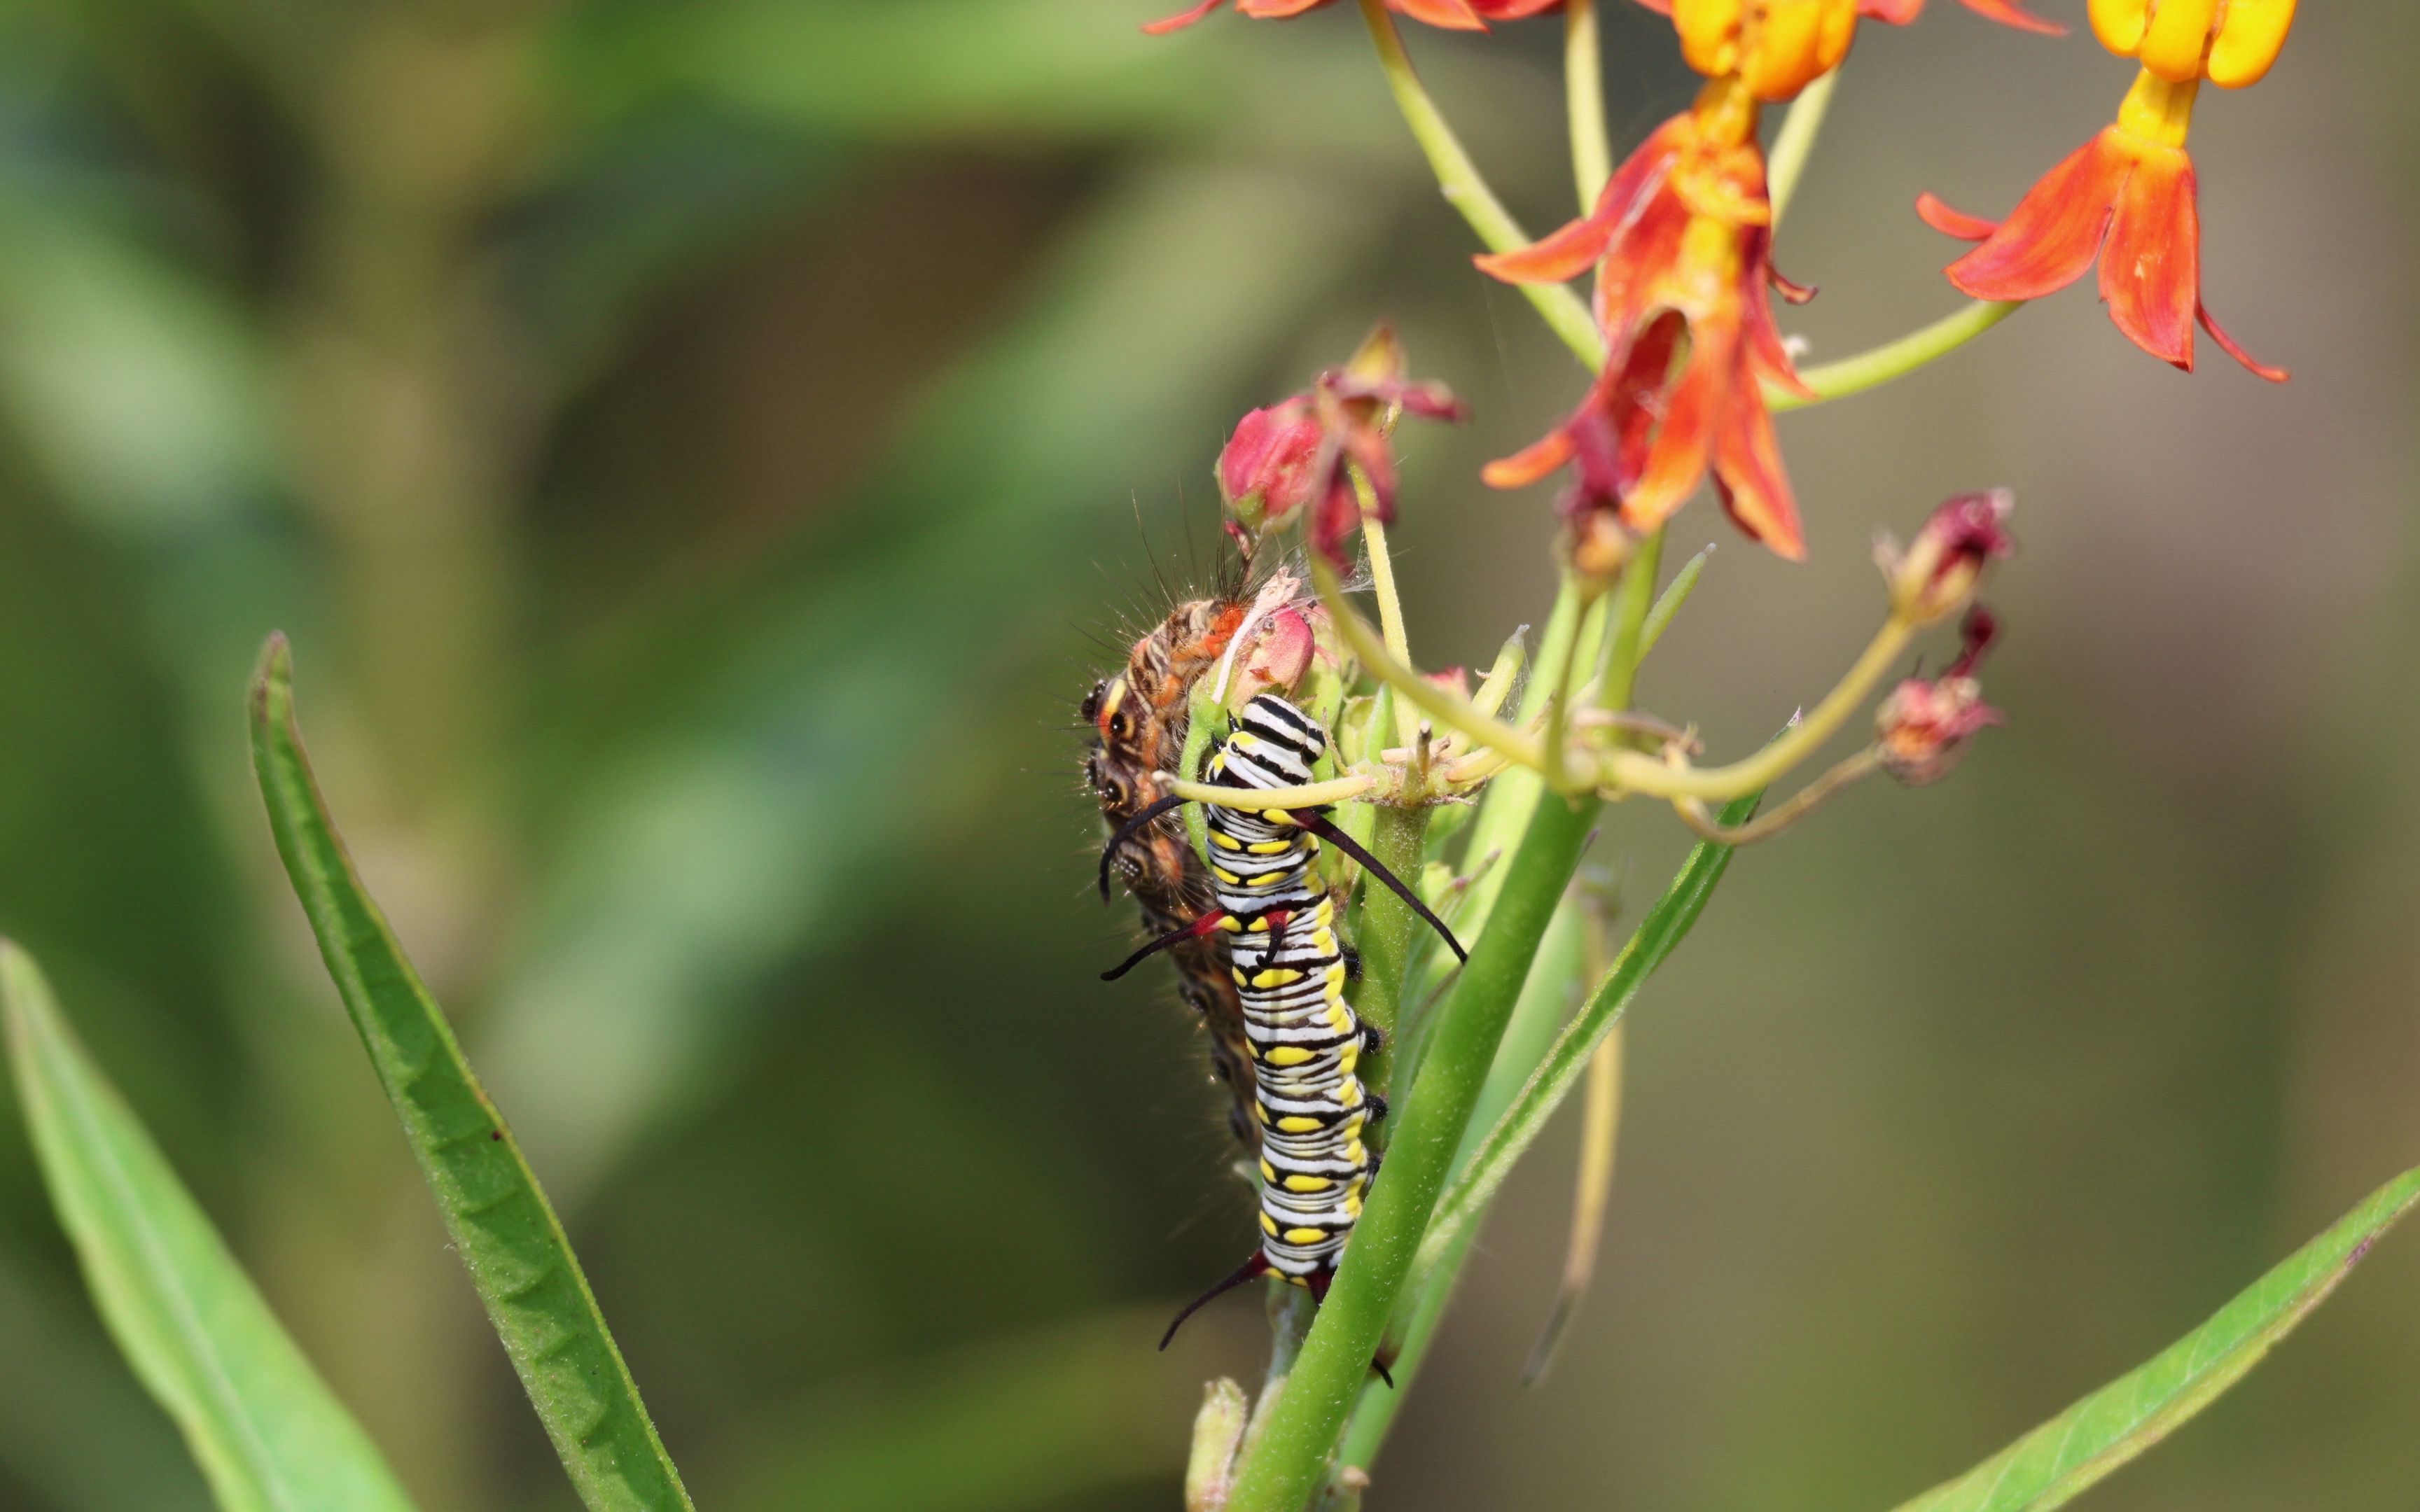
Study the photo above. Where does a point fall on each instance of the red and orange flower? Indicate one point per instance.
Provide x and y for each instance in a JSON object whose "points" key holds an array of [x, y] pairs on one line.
{"points": [[1842, 15], [1455, 15], [2128, 197], [1679, 240]]}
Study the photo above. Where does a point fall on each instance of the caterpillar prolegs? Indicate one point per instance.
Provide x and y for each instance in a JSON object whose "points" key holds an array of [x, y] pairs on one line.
{"points": [[1286, 964]]}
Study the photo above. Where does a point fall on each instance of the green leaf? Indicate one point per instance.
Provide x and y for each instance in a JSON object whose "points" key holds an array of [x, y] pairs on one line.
{"points": [[267, 1431], [2050, 1465], [1566, 1062], [506, 1232]]}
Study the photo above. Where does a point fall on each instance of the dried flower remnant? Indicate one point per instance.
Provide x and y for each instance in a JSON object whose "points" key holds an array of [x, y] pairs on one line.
{"points": [[1923, 727], [1455, 15], [1296, 457], [2129, 197], [1934, 577]]}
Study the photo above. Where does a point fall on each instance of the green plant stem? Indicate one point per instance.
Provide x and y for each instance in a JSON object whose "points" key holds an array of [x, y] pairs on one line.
{"points": [[1633, 597], [1464, 187], [1387, 927], [1786, 162], [1559, 1069], [1894, 359], [1391, 632], [1584, 99], [1284, 1468], [1439, 1271], [1638, 772]]}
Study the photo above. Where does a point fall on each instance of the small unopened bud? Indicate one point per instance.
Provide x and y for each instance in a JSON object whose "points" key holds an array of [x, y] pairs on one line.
{"points": [[1934, 577], [1600, 546], [1922, 727], [1269, 468], [1218, 1432]]}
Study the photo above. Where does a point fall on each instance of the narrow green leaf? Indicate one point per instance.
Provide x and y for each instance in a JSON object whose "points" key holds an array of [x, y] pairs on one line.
{"points": [[267, 1431], [509, 1235], [2050, 1465], [1659, 617], [1566, 1060]]}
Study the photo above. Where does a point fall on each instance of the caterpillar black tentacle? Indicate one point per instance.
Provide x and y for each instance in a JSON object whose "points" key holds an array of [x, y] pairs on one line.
{"points": [[1324, 827]]}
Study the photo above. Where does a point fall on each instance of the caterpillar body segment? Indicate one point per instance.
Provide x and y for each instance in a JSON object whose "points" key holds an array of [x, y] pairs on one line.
{"points": [[1288, 966]]}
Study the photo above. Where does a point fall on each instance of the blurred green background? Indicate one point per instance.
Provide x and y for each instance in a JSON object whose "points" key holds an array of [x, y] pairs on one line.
{"points": [[703, 451]]}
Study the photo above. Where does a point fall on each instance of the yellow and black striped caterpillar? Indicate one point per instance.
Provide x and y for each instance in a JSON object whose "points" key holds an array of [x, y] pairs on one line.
{"points": [[1303, 1038]]}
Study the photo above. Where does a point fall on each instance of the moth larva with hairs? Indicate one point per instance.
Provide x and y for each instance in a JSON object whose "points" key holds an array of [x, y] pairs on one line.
{"points": [[1139, 716]]}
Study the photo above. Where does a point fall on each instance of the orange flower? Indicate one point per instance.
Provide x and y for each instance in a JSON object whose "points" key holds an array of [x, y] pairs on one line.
{"points": [[1456, 15], [1681, 241], [2128, 197], [1782, 46]]}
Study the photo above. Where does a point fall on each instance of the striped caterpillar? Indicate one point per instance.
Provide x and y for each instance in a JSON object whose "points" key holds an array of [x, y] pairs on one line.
{"points": [[1287, 965]]}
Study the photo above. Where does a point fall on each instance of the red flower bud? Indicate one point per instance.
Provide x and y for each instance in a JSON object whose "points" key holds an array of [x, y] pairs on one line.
{"points": [[1298, 454], [1266, 472], [1939, 572]]}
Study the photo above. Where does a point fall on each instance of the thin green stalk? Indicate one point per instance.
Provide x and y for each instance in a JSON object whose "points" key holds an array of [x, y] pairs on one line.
{"points": [[1633, 596], [1872, 369], [1467, 191], [1584, 99], [1283, 1470], [1639, 772], [1787, 163], [1659, 618]]}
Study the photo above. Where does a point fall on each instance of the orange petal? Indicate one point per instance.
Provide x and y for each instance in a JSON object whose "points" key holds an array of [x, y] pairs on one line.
{"points": [[1664, 7], [1949, 222], [2226, 343], [2051, 237], [1182, 20], [1455, 15], [2150, 268], [1558, 256], [1275, 9], [1530, 464], [1749, 477], [1894, 12], [2010, 13], [1693, 408], [1567, 253]]}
